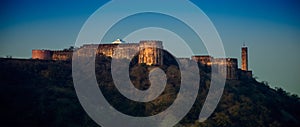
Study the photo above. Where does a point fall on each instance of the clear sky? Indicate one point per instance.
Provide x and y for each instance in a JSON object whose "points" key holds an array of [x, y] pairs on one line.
{"points": [[270, 28]]}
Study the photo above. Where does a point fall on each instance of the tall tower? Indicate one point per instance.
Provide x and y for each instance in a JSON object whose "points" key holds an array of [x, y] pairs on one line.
{"points": [[244, 58]]}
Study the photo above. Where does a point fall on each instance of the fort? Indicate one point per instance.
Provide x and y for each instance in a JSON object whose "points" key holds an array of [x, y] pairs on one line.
{"points": [[149, 52], [232, 70], [52, 55], [230, 63]]}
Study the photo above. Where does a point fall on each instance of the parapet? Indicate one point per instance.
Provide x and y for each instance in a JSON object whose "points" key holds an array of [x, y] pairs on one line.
{"points": [[204, 60], [151, 43]]}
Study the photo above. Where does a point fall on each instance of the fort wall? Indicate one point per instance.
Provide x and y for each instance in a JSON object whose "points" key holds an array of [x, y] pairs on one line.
{"points": [[62, 55], [126, 51], [231, 64], [41, 54], [149, 52], [204, 60]]}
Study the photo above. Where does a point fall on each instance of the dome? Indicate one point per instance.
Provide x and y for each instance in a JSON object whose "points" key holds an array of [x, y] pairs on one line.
{"points": [[118, 41]]}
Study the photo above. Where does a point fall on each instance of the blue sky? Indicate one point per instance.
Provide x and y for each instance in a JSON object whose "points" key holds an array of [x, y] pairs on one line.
{"points": [[270, 28]]}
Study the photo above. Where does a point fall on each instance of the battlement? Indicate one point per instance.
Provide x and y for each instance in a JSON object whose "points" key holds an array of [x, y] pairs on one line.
{"points": [[204, 60], [62, 55], [149, 52], [151, 43], [230, 63]]}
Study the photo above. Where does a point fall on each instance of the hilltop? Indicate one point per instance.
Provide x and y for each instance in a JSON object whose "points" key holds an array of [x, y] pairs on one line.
{"points": [[41, 93]]}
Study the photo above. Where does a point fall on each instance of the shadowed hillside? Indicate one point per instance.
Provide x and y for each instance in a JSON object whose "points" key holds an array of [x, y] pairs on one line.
{"points": [[41, 93]]}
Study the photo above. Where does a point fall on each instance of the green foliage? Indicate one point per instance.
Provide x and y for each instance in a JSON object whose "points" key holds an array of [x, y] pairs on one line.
{"points": [[41, 93]]}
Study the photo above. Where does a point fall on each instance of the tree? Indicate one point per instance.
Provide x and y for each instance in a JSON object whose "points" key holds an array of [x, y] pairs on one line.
{"points": [[222, 120]]}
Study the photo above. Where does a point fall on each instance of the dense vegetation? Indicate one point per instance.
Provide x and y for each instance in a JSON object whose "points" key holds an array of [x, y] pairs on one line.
{"points": [[41, 93]]}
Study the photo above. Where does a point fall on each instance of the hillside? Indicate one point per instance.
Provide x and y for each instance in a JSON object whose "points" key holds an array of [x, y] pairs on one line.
{"points": [[41, 93]]}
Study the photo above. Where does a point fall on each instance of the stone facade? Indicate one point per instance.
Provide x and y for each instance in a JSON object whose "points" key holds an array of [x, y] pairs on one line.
{"points": [[232, 70], [204, 60], [126, 51], [89, 50], [149, 52], [62, 55], [245, 70], [51, 55], [244, 58], [231, 64], [41, 54]]}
